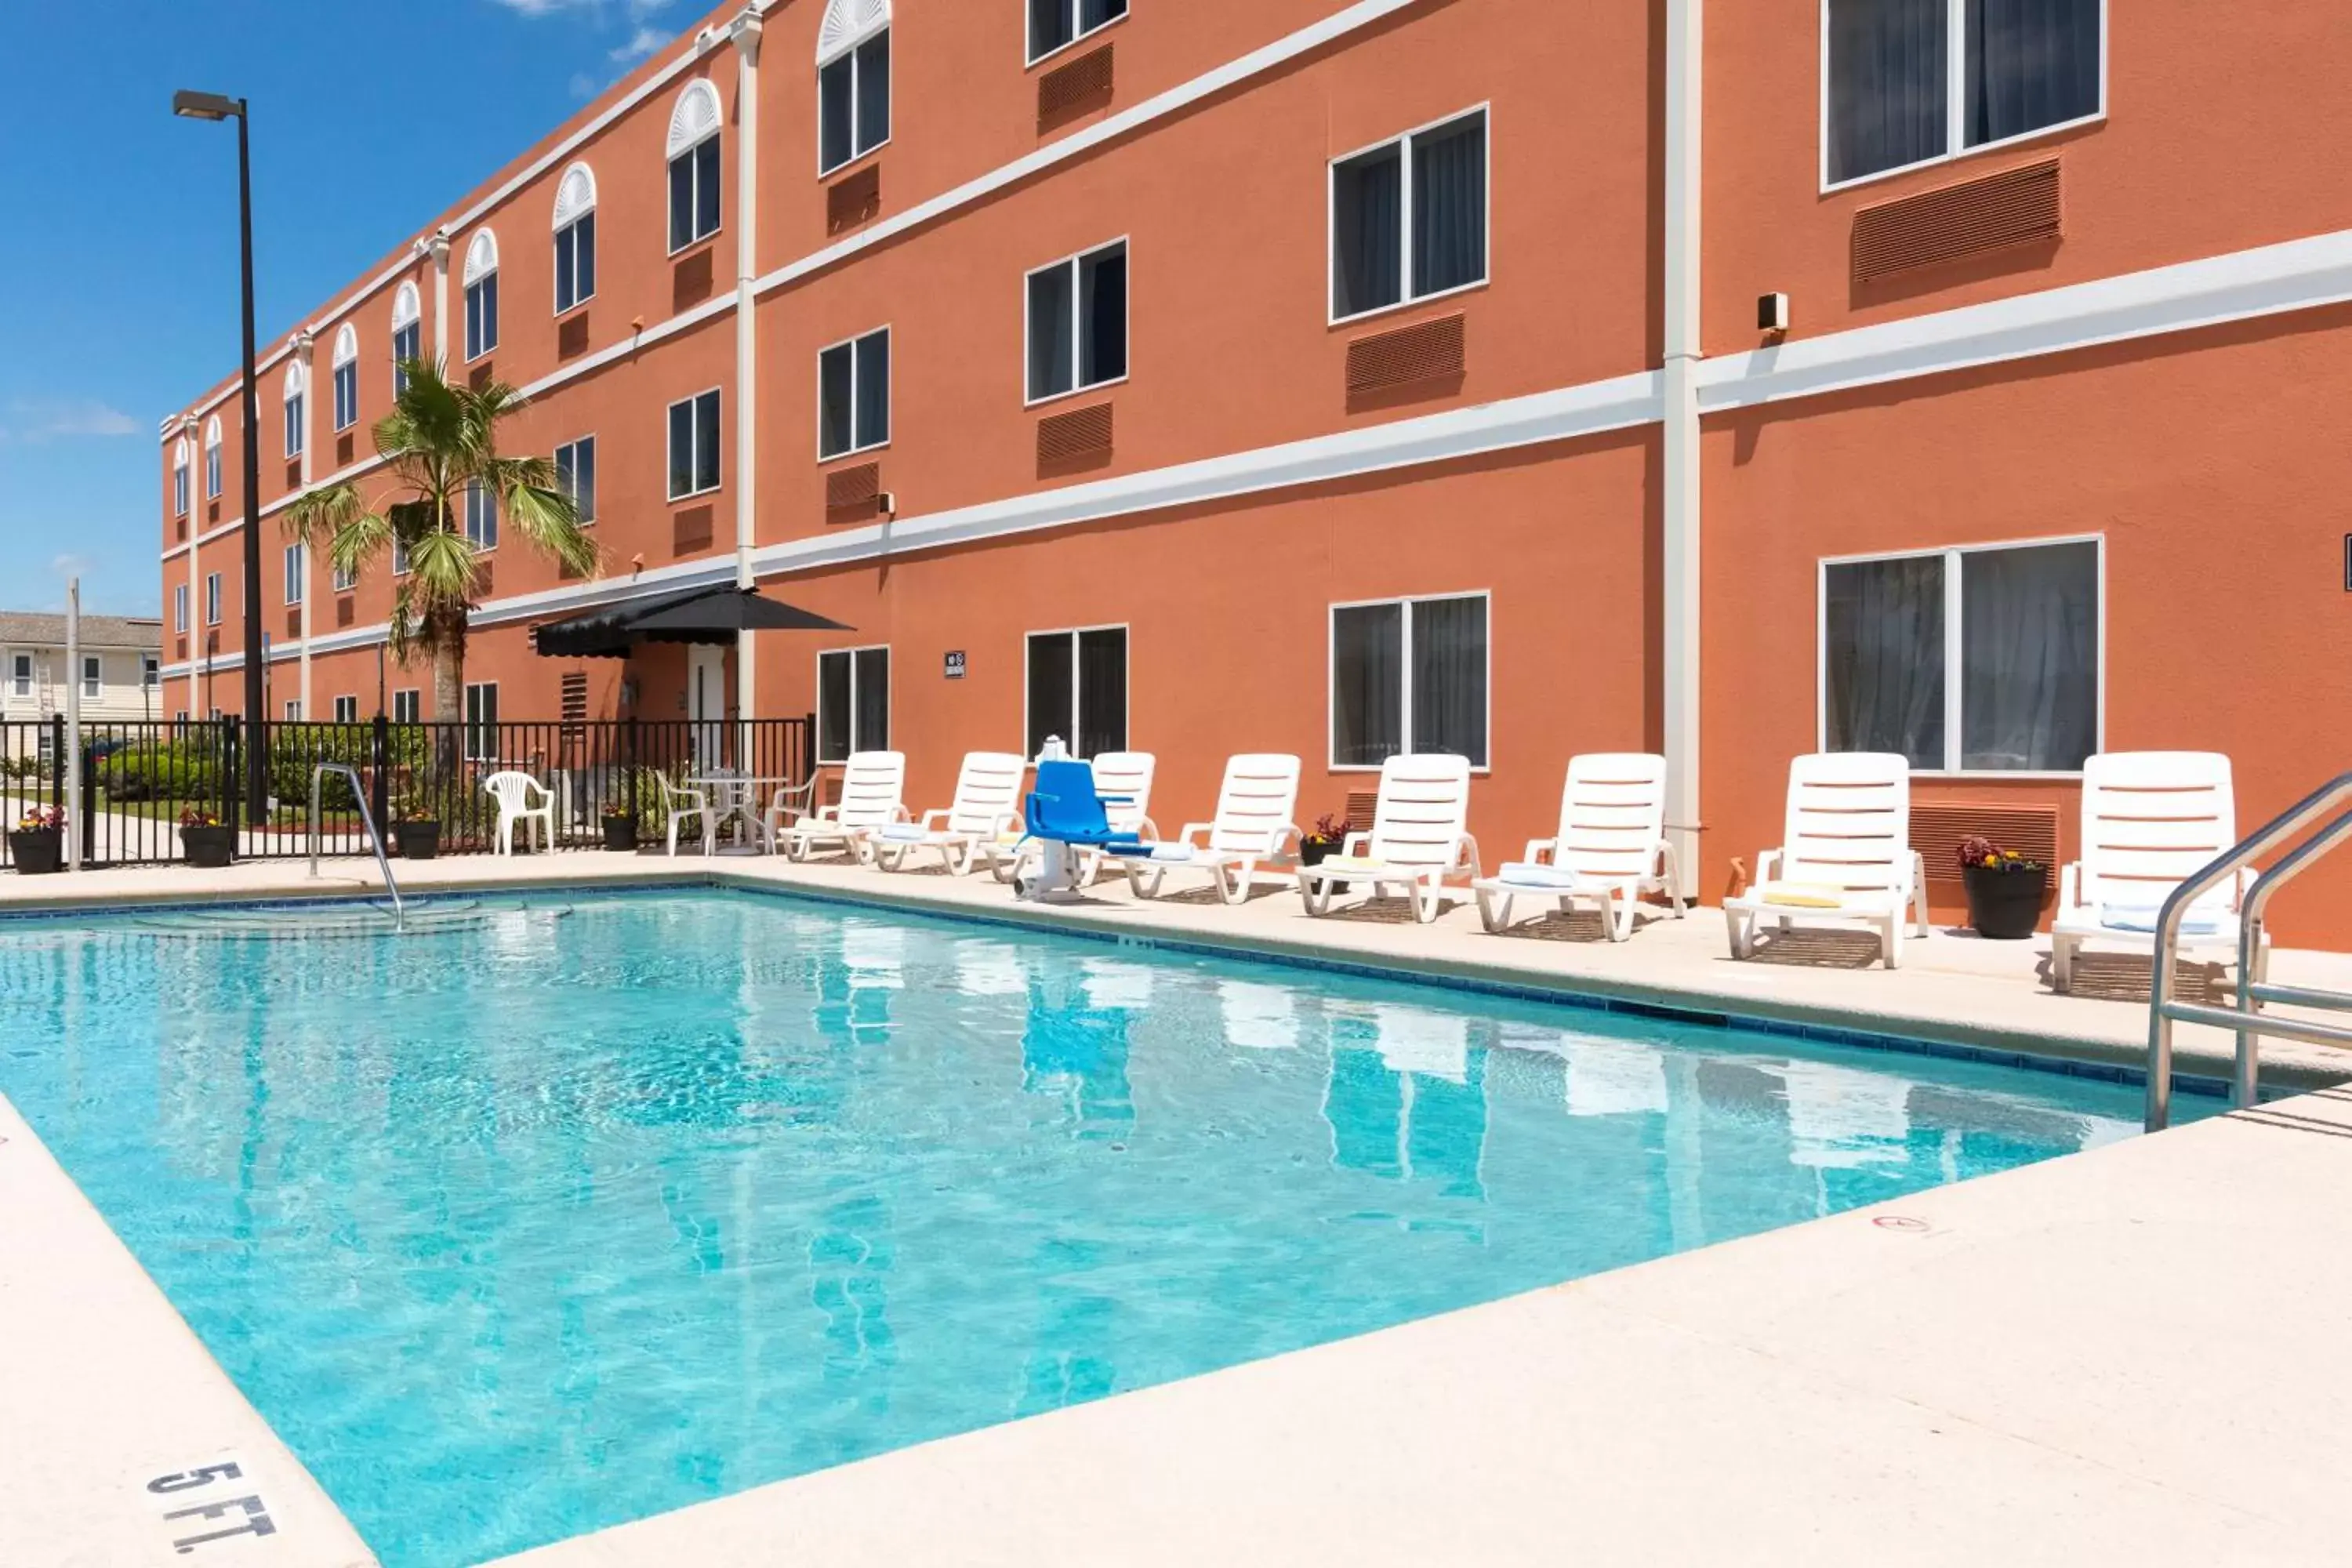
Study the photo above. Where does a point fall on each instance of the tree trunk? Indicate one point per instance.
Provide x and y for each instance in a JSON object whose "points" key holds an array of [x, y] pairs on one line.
{"points": [[448, 644]]}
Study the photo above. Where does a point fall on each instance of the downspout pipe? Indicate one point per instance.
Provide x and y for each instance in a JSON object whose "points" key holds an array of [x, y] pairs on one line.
{"points": [[744, 34], [1684, 352]]}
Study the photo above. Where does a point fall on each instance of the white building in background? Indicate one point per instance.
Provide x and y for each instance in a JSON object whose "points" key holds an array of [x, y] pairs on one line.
{"points": [[117, 669]]}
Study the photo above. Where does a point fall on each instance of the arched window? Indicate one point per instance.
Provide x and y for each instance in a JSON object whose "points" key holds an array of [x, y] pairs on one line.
{"points": [[694, 166], [407, 338], [213, 458], [481, 294], [347, 377], [297, 383], [183, 455], [575, 238], [853, 81]]}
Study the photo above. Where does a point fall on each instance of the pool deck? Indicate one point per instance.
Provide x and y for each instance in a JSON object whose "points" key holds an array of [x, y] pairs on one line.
{"points": [[2130, 1354]]}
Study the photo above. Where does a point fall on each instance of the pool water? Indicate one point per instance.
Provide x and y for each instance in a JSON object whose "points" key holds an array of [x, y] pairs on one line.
{"points": [[587, 1212]]}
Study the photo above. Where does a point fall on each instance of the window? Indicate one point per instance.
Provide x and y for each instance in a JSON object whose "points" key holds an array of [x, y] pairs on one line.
{"points": [[1965, 660], [481, 516], [407, 335], [151, 671], [1078, 322], [852, 382], [400, 558], [179, 608], [482, 721], [213, 458], [1409, 676], [1891, 98], [1057, 23], [294, 573], [1077, 690], [1409, 218], [296, 399], [346, 709], [694, 166], [347, 377], [481, 294], [694, 446], [212, 598], [852, 97], [181, 454], [20, 673], [293, 710], [575, 475], [575, 238], [93, 675], [345, 579], [407, 707], [853, 702]]}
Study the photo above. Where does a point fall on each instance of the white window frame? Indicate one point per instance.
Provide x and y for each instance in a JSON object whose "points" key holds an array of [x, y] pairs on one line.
{"points": [[857, 100], [566, 221], [347, 709], [480, 502], [151, 671], [292, 713], [1403, 141], [1404, 682], [212, 598], [93, 676], [1077, 316], [1955, 650], [344, 376], [342, 580], [670, 455], [889, 403], [1955, 78], [573, 446], [180, 608], [183, 477], [297, 570], [21, 672], [482, 344], [407, 317], [296, 398], [470, 725], [1126, 679], [411, 699], [672, 153], [889, 696], [1079, 31], [213, 458]]}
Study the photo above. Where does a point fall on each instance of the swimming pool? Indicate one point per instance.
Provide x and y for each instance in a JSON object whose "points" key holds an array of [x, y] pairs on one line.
{"points": [[580, 1212]]}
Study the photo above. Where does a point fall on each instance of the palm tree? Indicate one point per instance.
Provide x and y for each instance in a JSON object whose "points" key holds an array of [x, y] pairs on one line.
{"points": [[440, 441]]}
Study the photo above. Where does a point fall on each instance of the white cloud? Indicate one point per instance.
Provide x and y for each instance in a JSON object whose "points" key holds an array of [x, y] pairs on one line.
{"points": [[584, 85], [44, 419], [643, 42]]}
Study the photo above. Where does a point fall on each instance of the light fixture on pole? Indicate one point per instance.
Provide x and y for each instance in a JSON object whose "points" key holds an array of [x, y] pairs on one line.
{"points": [[213, 106]]}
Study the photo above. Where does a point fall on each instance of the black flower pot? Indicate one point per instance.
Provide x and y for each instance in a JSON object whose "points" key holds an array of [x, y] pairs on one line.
{"points": [[417, 840], [2005, 906], [621, 833], [37, 851], [208, 848], [1311, 851]]}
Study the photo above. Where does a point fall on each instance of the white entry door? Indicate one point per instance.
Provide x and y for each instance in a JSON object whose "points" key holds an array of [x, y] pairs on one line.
{"points": [[706, 705]]}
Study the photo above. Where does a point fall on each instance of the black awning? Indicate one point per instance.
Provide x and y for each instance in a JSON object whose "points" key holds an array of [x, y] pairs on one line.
{"points": [[697, 615]]}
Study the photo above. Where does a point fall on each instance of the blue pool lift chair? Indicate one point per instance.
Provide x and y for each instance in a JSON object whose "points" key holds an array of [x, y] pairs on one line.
{"points": [[1066, 810]]}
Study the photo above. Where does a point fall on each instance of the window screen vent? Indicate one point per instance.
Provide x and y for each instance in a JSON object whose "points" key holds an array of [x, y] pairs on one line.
{"points": [[690, 280], [2016, 206], [1080, 438], [293, 621], [690, 530], [346, 610], [855, 200], [571, 336], [852, 495], [1431, 352], [1937, 831], [1079, 88], [1362, 803], [575, 696]]}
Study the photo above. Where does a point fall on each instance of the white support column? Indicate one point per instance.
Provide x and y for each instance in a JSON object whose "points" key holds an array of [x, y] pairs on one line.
{"points": [[194, 431], [744, 34], [438, 249], [306, 347], [1684, 352]]}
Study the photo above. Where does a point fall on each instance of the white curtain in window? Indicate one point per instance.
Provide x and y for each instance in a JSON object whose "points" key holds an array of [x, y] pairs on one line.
{"points": [[1449, 206], [1367, 684], [2031, 63], [1449, 678], [1888, 90], [1885, 652], [2029, 647], [1367, 233]]}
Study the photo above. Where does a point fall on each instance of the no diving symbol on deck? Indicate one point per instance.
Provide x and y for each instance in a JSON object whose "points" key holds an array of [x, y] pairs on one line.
{"points": [[1900, 1222]]}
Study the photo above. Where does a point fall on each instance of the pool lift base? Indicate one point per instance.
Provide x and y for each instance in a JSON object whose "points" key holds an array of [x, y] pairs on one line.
{"points": [[367, 819]]}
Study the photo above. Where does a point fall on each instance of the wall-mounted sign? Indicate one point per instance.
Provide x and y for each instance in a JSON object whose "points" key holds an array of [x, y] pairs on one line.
{"points": [[954, 662]]}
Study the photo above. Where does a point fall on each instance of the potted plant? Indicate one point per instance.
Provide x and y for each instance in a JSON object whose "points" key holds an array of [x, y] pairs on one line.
{"points": [[2005, 890], [1323, 839], [416, 833], [204, 840], [37, 844], [620, 829]]}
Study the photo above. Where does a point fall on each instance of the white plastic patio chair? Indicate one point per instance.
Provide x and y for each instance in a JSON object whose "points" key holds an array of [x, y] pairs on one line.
{"points": [[2151, 819], [680, 804], [1254, 806], [1846, 855], [873, 790], [1610, 848], [1123, 780], [521, 798], [1420, 839], [987, 807]]}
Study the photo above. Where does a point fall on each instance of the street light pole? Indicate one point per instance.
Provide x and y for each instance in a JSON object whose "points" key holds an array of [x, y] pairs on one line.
{"points": [[214, 107]]}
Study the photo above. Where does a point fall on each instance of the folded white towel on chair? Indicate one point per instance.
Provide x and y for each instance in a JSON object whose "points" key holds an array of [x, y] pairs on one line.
{"points": [[1533, 874]]}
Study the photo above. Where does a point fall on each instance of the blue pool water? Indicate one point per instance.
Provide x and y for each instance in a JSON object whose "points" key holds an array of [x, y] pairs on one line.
{"points": [[585, 1213]]}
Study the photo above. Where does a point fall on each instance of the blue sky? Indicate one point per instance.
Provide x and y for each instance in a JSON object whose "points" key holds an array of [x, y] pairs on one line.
{"points": [[118, 251]]}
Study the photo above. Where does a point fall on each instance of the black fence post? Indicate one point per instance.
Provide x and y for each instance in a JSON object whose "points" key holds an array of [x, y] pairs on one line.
{"points": [[380, 778], [86, 808], [808, 756], [629, 761], [232, 779], [57, 761]]}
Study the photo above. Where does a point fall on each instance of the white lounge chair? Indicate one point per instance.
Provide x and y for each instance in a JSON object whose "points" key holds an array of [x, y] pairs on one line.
{"points": [[1420, 839], [1846, 855], [522, 798], [680, 804], [2151, 819], [1254, 806], [872, 789], [1610, 849], [1123, 780], [987, 806]]}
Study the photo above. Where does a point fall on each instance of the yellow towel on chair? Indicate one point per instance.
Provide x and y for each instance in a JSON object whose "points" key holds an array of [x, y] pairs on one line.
{"points": [[1804, 895], [1361, 865]]}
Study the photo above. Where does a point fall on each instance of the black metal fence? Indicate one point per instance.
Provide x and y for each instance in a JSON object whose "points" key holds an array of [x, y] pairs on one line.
{"points": [[141, 781]]}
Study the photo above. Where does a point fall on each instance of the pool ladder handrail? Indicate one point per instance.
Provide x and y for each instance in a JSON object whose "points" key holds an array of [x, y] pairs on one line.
{"points": [[2246, 1018], [367, 820]]}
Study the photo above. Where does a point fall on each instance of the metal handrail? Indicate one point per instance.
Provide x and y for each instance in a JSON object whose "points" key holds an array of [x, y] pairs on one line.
{"points": [[367, 819], [2246, 1018]]}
